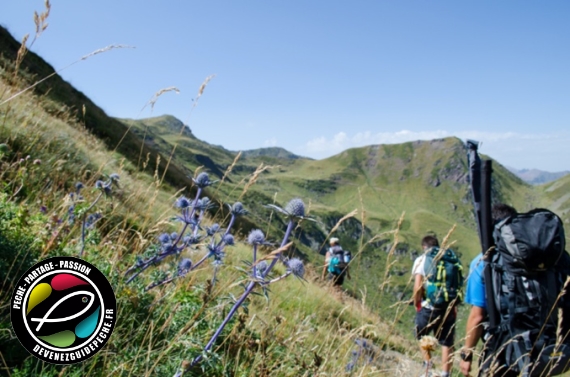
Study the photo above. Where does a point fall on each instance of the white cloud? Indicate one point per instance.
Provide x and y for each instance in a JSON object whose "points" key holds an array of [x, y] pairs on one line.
{"points": [[520, 150], [270, 142]]}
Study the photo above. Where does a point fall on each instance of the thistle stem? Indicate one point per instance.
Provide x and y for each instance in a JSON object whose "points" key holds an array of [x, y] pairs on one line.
{"points": [[233, 310], [254, 260], [83, 223], [278, 278], [242, 299], [283, 243], [232, 219]]}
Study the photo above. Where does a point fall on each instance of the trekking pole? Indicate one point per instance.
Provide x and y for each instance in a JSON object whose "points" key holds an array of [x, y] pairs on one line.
{"points": [[487, 239], [474, 163]]}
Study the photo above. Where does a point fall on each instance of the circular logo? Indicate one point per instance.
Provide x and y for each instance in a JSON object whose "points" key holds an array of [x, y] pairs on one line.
{"points": [[63, 310]]}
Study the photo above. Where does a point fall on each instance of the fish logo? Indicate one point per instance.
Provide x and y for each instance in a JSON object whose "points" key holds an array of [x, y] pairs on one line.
{"points": [[63, 310]]}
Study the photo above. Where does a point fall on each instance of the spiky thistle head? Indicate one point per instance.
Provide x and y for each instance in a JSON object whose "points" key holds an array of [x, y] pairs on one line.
{"points": [[202, 180], [184, 266], [173, 236], [260, 268], [105, 187], [92, 219], [114, 177], [238, 209], [256, 237], [191, 240], [183, 202], [203, 204], [296, 267], [228, 239], [78, 187], [295, 209], [215, 228], [164, 238]]}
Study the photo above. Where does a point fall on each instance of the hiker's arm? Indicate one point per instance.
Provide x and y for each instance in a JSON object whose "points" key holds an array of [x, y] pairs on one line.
{"points": [[327, 259], [473, 331], [418, 290]]}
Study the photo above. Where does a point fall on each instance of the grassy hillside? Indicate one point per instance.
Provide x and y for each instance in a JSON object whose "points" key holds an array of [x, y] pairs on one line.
{"points": [[556, 197], [305, 328]]}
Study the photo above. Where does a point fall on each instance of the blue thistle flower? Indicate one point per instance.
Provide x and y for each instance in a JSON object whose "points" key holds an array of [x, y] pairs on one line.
{"points": [[184, 266], [78, 187], [114, 177], [99, 185], [71, 214], [228, 239], [191, 240], [164, 238], [215, 228], [203, 204], [92, 218], [260, 268], [296, 267], [202, 180], [295, 207], [183, 202], [256, 237], [238, 209], [173, 236]]}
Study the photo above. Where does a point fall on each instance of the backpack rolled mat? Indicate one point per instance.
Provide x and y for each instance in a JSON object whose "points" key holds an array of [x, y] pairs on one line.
{"points": [[444, 277], [339, 260], [528, 271]]}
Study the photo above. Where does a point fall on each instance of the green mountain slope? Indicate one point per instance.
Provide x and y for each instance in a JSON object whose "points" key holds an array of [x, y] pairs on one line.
{"points": [[426, 180], [300, 331], [556, 197]]}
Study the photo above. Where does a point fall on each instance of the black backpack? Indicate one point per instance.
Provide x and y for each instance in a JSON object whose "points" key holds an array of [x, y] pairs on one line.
{"points": [[527, 269]]}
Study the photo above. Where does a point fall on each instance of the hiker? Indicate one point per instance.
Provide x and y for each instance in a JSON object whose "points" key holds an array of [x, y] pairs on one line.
{"points": [[526, 296], [437, 291], [336, 263]]}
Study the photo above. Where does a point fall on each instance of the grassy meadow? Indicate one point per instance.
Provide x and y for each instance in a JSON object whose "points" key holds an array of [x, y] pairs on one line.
{"points": [[379, 200]]}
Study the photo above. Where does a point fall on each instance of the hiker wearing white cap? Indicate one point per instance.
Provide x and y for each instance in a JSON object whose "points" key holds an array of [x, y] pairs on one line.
{"points": [[336, 263]]}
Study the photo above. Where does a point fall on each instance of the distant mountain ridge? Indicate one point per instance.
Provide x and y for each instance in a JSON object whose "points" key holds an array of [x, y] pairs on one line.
{"points": [[276, 152], [536, 176]]}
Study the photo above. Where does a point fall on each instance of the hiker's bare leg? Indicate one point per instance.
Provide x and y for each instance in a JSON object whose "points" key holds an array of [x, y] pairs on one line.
{"points": [[446, 358]]}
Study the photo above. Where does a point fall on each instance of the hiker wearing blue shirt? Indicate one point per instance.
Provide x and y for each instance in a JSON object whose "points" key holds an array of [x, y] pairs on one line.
{"points": [[475, 296]]}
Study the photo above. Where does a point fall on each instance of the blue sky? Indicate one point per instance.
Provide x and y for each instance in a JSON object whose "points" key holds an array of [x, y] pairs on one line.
{"points": [[320, 77]]}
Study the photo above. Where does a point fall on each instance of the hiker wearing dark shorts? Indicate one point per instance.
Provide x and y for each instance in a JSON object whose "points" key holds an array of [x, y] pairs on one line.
{"points": [[337, 274], [441, 319]]}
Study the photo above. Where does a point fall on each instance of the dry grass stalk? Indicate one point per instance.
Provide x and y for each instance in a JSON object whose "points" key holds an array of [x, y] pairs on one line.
{"points": [[274, 253], [343, 219], [389, 264], [260, 169], [156, 95], [200, 92], [228, 170], [40, 20], [203, 86], [428, 344], [21, 53], [102, 50], [96, 52]]}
